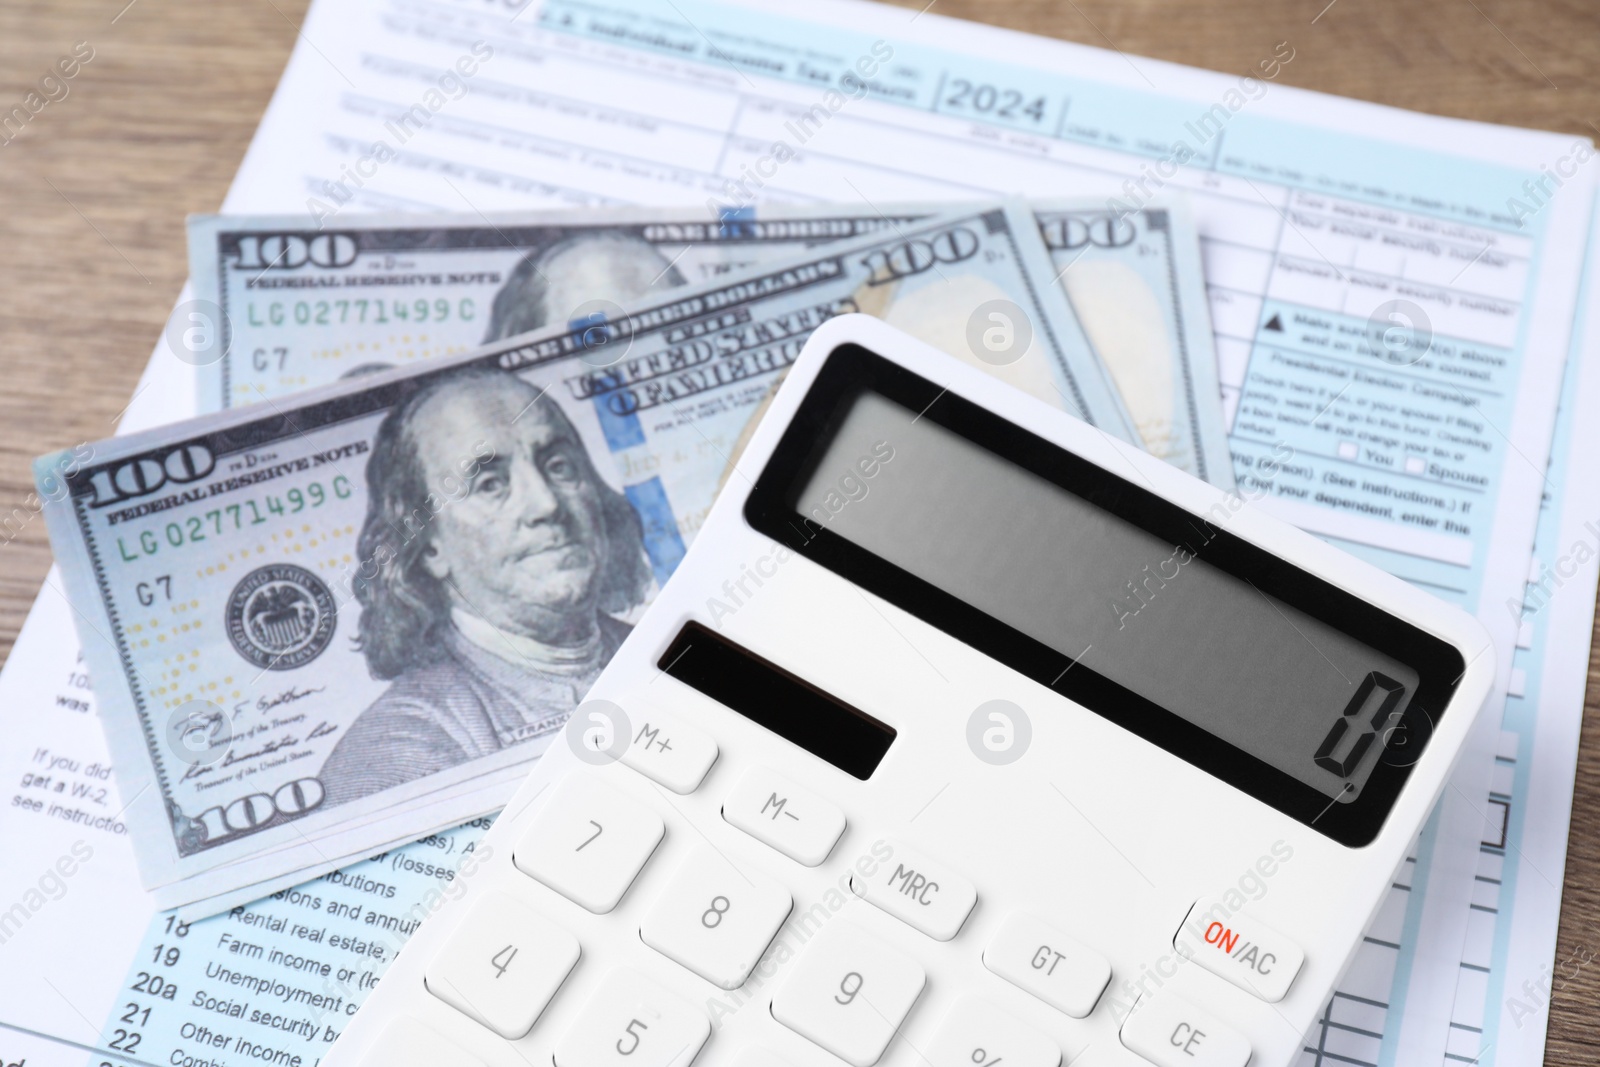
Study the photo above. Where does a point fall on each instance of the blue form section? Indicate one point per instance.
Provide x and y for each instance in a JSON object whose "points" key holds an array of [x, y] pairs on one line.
{"points": [[662, 541], [274, 982], [735, 221]]}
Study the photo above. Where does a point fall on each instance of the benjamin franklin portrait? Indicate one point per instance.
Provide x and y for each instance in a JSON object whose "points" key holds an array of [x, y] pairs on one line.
{"points": [[548, 286], [491, 611]]}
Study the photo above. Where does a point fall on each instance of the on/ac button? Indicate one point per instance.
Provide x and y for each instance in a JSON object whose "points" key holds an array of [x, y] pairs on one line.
{"points": [[1239, 948]]}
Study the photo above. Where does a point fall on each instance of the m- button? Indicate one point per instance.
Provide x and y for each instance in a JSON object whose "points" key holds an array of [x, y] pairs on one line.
{"points": [[911, 887], [1254, 957], [784, 814]]}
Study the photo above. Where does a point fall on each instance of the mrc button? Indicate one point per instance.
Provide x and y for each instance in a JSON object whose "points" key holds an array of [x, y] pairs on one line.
{"points": [[917, 890], [1235, 946]]}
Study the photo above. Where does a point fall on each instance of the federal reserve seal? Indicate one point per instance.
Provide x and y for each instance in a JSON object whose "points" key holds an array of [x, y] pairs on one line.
{"points": [[280, 617]]}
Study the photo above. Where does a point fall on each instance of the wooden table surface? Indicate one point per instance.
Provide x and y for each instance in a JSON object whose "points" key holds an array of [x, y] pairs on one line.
{"points": [[94, 193]]}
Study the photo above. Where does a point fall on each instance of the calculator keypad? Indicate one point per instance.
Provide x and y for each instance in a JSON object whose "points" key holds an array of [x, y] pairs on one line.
{"points": [[789, 817], [502, 965], [631, 1021], [975, 1033], [588, 842], [849, 992], [715, 919], [1061, 971], [1170, 1032], [920, 891]]}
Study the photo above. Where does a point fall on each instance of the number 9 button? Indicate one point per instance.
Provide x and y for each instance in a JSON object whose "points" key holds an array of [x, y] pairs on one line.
{"points": [[849, 993]]}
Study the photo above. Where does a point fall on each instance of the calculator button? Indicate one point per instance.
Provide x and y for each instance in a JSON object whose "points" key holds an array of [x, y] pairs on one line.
{"points": [[789, 817], [716, 920], [671, 752], [1061, 971], [588, 842], [1171, 1032], [633, 1022], [502, 965], [1254, 957], [917, 890], [1108, 1052], [976, 1033], [756, 1056], [405, 1043], [849, 993]]}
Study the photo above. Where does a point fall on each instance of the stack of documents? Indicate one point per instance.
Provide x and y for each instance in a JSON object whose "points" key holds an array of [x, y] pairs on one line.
{"points": [[316, 672]]}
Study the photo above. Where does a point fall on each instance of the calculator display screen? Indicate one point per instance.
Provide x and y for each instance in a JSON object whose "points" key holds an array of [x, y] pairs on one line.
{"points": [[1144, 612], [1274, 679]]}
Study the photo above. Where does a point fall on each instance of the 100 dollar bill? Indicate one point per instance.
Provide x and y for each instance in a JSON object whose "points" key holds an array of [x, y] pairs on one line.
{"points": [[301, 307], [297, 307], [313, 625], [1135, 281]]}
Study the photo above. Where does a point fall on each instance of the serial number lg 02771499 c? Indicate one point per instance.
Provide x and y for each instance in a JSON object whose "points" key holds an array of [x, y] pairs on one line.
{"points": [[338, 312], [232, 517]]}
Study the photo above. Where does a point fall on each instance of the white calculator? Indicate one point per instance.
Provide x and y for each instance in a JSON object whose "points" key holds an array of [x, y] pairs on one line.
{"points": [[964, 735]]}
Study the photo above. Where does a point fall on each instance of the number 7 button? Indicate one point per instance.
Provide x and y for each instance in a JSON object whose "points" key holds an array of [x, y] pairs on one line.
{"points": [[588, 842]]}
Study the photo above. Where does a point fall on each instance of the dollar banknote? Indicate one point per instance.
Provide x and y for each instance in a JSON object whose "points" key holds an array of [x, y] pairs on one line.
{"points": [[1135, 281], [297, 307], [291, 307], [320, 624]]}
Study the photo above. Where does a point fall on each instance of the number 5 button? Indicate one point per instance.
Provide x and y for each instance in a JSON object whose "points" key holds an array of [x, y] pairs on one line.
{"points": [[632, 1022], [502, 965], [716, 920], [849, 993]]}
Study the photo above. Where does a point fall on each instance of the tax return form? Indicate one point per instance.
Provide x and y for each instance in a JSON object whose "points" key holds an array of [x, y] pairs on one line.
{"points": [[1507, 969], [1315, 212]]}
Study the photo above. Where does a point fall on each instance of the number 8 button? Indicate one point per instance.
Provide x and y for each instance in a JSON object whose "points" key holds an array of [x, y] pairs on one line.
{"points": [[715, 919]]}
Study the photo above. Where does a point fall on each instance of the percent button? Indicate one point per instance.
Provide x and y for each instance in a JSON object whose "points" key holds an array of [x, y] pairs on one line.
{"points": [[975, 1033]]}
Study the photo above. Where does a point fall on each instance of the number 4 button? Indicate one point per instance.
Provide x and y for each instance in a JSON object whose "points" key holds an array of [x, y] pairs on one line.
{"points": [[502, 965]]}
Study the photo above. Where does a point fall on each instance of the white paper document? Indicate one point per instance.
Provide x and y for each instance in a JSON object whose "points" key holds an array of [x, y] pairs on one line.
{"points": [[1391, 296], [1507, 972]]}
